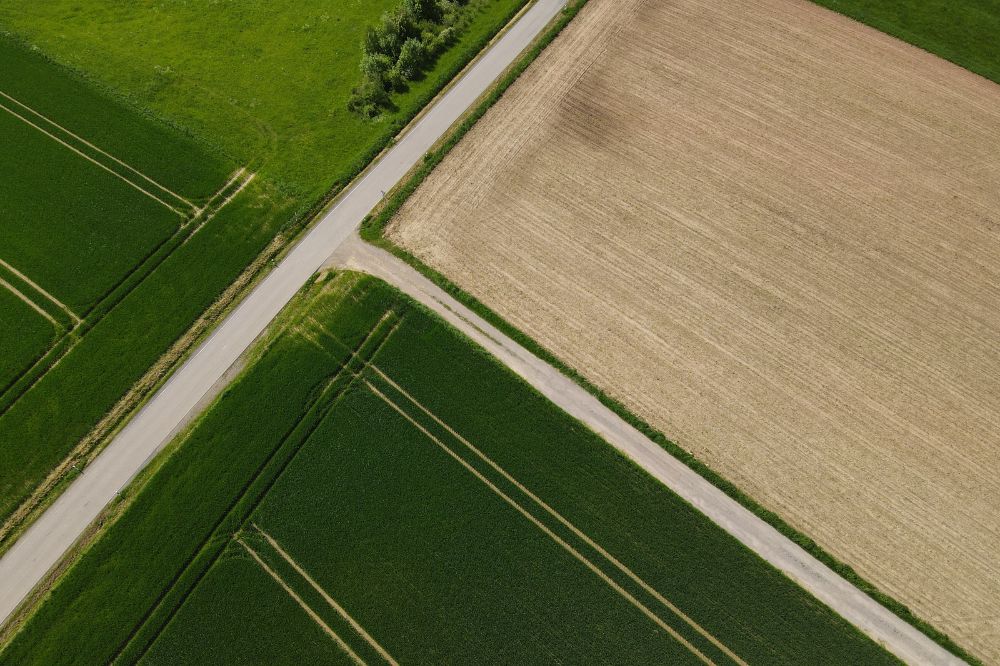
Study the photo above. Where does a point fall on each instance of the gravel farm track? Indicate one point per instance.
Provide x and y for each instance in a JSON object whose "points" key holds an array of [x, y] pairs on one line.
{"points": [[772, 233]]}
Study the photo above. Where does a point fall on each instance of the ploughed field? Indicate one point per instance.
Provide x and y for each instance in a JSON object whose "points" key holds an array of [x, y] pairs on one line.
{"points": [[374, 489], [773, 234]]}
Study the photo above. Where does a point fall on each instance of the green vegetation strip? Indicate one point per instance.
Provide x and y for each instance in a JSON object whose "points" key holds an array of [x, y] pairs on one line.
{"points": [[373, 229], [406, 41], [416, 543]]}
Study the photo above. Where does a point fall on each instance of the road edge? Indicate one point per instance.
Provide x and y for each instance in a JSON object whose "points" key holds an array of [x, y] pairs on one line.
{"points": [[373, 231]]}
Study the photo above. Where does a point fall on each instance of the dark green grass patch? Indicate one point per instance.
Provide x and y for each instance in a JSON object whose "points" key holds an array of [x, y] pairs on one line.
{"points": [[429, 561], [240, 615], [160, 152], [425, 555], [966, 32], [24, 336], [70, 226]]}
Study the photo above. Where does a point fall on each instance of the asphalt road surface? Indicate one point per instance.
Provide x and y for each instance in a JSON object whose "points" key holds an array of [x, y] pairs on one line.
{"points": [[57, 529], [44, 543]]}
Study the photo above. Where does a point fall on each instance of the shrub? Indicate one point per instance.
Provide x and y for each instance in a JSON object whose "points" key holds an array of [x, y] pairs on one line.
{"points": [[412, 58], [405, 42]]}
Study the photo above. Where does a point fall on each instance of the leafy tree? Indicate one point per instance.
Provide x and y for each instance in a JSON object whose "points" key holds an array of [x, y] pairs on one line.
{"points": [[405, 41], [412, 58]]}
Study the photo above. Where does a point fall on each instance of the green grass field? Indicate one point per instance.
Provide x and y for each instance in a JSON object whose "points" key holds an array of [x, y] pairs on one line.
{"points": [[266, 82], [265, 89], [76, 234], [24, 336], [371, 456]]}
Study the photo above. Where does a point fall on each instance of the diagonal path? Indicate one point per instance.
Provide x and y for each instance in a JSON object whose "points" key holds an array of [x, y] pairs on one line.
{"points": [[539, 502], [580, 557], [313, 615], [361, 631], [883, 626], [43, 544]]}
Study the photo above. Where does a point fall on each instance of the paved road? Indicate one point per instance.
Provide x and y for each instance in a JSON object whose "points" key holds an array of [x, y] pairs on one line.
{"points": [[858, 608], [44, 543], [41, 546]]}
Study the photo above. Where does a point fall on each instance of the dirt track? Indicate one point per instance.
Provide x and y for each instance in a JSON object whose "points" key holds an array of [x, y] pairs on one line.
{"points": [[774, 234]]}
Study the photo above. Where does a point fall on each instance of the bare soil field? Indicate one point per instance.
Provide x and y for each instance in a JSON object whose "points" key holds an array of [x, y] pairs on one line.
{"points": [[774, 234]]}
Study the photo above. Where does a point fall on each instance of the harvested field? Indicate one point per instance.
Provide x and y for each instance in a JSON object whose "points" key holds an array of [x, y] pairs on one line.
{"points": [[772, 233]]}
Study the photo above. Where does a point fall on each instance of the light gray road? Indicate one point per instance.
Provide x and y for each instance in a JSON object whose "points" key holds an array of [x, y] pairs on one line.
{"points": [[857, 607], [41, 546], [55, 531]]}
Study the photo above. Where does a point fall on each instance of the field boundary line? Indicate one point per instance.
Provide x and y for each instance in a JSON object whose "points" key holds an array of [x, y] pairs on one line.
{"points": [[320, 405], [34, 306], [98, 149], [545, 529], [308, 609], [232, 179], [34, 285], [211, 215], [326, 597], [91, 159], [565, 522]]}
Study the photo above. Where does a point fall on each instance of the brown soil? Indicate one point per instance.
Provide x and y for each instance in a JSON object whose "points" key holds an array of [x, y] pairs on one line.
{"points": [[774, 234]]}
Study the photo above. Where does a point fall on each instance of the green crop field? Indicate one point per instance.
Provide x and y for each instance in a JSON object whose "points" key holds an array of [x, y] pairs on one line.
{"points": [[157, 152], [96, 198], [374, 485], [25, 334]]}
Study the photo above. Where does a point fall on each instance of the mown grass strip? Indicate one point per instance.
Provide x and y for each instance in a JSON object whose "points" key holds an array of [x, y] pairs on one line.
{"points": [[373, 230]]}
